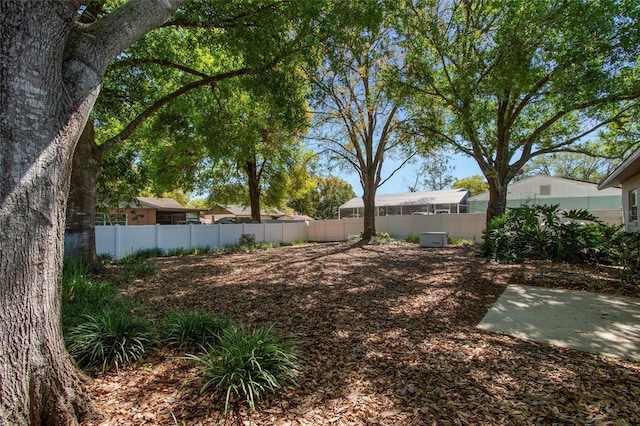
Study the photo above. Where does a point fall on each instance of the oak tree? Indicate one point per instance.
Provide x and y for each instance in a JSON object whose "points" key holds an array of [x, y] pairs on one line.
{"points": [[520, 79], [50, 75]]}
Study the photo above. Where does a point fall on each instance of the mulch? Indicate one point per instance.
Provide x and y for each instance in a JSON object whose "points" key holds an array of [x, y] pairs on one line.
{"points": [[386, 335]]}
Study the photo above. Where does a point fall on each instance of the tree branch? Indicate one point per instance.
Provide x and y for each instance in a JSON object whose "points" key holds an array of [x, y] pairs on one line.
{"points": [[133, 125]]}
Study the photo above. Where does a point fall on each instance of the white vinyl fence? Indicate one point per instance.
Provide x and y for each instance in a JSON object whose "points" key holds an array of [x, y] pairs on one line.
{"points": [[468, 226], [119, 241]]}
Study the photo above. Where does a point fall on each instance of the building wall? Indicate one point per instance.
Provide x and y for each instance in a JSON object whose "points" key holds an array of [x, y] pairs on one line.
{"points": [[138, 216], [567, 193], [606, 202], [627, 187]]}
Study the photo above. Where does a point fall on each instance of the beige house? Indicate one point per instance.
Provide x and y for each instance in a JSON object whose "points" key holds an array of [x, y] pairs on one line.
{"points": [[150, 211], [627, 175]]}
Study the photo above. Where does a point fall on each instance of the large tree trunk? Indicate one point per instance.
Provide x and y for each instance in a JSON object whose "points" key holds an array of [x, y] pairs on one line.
{"points": [[50, 75], [497, 198], [80, 231], [251, 169], [369, 201], [40, 383]]}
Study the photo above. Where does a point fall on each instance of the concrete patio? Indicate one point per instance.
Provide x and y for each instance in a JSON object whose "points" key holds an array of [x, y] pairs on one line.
{"points": [[596, 323]]}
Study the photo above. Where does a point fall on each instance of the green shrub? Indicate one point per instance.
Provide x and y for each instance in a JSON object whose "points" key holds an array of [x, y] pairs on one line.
{"points": [[247, 365], [455, 241], [148, 253], [133, 267], [545, 232], [247, 240], [626, 253], [110, 337], [74, 272], [82, 296], [191, 329], [413, 238]]}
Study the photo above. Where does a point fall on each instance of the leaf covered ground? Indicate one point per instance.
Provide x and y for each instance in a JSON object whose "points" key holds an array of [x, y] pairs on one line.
{"points": [[386, 335]]}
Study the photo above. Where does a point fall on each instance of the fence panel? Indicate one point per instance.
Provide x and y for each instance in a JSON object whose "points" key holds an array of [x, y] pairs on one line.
{"points": [[205, 235], [118, 241], [230, 234], [257, 229], [468, 226], [274, 232], [134, 239], [172, 237]]}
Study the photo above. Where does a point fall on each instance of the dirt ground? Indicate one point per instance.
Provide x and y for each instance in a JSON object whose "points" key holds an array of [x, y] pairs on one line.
{"points": [[386, 335]]}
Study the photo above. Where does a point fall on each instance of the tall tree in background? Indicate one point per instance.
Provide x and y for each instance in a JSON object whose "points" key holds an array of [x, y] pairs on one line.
{"points": [[476, 184], [257, 136], [324, 198], [436, 172], [520, 79], [50, 76], [358, 123], [585, 168], [173, 70]]}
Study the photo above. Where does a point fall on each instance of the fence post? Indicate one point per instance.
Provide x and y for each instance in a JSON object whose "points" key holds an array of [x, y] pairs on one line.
{"points": [[157, 231], [117, 240], [191, 235]]}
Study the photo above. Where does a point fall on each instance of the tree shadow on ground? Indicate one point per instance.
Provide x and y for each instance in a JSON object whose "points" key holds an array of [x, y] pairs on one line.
{"points": [[387, 336]]}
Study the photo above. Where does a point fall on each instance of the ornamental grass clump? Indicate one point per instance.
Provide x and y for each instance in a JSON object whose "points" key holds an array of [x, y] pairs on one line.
{"points": [[193, 329], [247, 366], [109, 337]]}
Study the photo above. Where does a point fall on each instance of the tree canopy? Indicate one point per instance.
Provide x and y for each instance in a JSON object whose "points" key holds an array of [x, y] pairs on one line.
{"points": [[520, 79], [359, 121]]}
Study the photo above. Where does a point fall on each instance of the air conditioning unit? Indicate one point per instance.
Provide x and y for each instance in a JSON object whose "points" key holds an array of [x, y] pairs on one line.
{"points": [[433, 239]]}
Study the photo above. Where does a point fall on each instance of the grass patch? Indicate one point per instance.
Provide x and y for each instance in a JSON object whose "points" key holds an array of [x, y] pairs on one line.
{"points": [[247, 366], [192, 329], [109, 337]]}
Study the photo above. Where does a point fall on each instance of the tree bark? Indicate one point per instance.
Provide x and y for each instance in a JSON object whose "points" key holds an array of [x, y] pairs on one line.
{"points": [[497, 205], [251, 168], [369, 201], [80, 235], [50, 76]]}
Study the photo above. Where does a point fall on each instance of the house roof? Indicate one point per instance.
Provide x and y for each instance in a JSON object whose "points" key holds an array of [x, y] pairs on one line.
{"points": [[566, 188], [625, 171], [296, 217], [447, 196], [238, 210], [166, 204]]}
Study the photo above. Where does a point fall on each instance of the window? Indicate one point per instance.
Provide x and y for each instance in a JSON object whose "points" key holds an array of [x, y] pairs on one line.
{"points": [[633, 205], [545, 189], [111, 219]]}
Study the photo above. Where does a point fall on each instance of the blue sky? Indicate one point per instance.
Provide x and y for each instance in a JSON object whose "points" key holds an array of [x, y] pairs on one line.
{"points": [[464, 167]]}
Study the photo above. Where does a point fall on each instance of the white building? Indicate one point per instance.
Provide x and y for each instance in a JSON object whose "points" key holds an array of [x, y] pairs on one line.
{"points": [[627, 175], [423, 202], [541, 189]]}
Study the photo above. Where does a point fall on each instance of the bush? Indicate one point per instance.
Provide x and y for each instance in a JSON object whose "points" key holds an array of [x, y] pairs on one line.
{"points": [[545, 232], [133, 267], [247, 240], [82, 296], [191, 329], [110, 337], [455, 241], [413, 238], [148, 253], [626, 253], [247, 365]]}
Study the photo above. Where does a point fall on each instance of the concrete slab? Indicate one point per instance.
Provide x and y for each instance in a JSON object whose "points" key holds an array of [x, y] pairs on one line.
{"points": [[596, 323]]}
